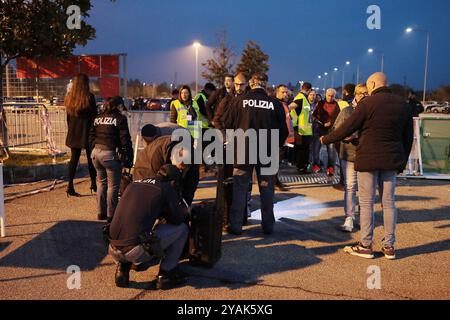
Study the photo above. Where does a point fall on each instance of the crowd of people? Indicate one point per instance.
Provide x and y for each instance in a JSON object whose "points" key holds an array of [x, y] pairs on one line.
{"points": [[368, 133]]}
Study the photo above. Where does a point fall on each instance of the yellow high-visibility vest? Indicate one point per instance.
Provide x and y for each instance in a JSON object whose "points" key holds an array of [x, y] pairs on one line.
{"points": [[304, 126], [200, 116], [343, 104], [194, 127]]}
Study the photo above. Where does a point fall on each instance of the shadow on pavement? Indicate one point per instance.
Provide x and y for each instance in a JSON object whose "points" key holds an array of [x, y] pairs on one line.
{"points": [[64, 244], [247, 258], [432, 247], [4, 245]]}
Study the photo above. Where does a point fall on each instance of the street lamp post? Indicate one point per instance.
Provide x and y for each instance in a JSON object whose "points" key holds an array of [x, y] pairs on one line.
{"points": [[382, 57], [357, 74], [347, 63], [196, 46], [325, 80], [427, 49], [332, 76]]}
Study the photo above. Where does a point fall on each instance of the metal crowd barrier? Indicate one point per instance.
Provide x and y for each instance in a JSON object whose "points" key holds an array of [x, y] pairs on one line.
{"points": [[35, 127]]}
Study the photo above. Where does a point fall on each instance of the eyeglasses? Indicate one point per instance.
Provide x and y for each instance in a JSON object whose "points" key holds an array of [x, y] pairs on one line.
{"points": [[240, 84], [362, 93]]}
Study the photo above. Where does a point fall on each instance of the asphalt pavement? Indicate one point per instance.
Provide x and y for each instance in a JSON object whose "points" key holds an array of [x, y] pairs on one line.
{"points": [[48, 232]]}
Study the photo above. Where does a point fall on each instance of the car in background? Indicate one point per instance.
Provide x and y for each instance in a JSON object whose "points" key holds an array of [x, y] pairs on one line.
{"points": [[154, 104], [442, 107], [429, 105]]}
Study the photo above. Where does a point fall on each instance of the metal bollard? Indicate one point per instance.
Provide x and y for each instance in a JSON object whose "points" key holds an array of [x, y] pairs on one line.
{"points": [[2, 204]]}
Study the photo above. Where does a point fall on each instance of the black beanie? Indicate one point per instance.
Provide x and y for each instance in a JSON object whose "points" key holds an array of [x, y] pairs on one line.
{"points": [[150, 131]]}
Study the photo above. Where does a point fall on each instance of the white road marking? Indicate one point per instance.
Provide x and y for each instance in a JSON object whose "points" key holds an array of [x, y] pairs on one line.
{"points": [[298, 208]]}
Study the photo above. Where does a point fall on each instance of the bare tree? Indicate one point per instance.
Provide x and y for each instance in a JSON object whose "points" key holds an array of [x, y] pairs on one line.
{"points": [[222, 63]]}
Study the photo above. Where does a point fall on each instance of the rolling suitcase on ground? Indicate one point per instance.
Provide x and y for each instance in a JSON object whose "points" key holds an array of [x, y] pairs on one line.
{"points": [[224, 194], [205, 240]]}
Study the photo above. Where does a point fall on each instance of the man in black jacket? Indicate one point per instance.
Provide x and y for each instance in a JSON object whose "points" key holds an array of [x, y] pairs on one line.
{"points": [[255, 111], [385, 126], [217, 96], [132, 243]]}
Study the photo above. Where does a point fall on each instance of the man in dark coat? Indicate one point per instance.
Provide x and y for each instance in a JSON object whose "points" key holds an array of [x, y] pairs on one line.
{"points": [[385, 126]]}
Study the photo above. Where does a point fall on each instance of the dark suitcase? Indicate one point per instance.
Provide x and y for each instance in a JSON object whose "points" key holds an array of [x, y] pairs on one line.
{"points": [[224, 193], [205, 240]]}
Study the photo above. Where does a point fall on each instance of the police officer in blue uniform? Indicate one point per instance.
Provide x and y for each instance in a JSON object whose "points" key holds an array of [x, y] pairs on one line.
{"points": [[112, 149], [136, 243], [255, 110]]}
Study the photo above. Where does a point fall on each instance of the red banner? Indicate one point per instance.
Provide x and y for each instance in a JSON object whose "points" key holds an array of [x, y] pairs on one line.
{"points": [[90, 65], [110, 65], [109, 87], [54, 68]]}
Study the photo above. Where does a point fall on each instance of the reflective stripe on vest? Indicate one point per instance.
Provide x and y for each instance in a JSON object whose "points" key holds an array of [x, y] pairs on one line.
{"points": [[200, 116]]}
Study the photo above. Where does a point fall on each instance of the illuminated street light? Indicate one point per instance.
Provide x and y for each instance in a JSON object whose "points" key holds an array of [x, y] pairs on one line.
{"points": [[332, 77], [197, 46], [410, 30], [371, 50]]}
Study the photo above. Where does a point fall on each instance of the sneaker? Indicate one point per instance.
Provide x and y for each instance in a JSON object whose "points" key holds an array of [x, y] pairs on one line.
{"points": [[348, 225], [389, 252], [360, 251], [316, 169], [330, 171], [122, 276]]}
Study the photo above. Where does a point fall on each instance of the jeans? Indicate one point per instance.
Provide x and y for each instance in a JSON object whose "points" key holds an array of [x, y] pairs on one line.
{"points": [[367, 183], [242, 176], [109, 173], [350, 188]]}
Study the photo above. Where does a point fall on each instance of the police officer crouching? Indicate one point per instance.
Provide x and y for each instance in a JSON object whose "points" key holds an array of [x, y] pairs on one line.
{"points": [[134, 242]]}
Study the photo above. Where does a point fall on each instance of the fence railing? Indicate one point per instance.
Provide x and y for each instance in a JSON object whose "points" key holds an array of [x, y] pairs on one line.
{"points": [[35, 126]]}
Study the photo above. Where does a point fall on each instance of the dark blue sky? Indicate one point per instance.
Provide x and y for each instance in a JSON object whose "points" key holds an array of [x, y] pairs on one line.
{"points": [[303, 38]]}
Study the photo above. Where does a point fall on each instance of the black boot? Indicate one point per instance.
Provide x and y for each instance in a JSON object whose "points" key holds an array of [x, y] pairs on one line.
{"points": [[123, 274], [71, 191]]}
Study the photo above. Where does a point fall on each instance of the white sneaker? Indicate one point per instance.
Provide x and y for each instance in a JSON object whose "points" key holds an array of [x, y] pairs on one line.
{"points": [[348, 225]]}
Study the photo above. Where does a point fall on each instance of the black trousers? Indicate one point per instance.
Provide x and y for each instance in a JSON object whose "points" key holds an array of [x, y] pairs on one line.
{"points": [[75, 154], [302, 152]]}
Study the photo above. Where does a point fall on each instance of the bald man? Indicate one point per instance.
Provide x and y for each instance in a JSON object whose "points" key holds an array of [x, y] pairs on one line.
{"points": [[385, 126]]}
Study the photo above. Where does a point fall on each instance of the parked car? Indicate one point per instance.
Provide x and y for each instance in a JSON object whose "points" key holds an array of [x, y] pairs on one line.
{"points": [[154, 104], [428, 106], [442, 107]]}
